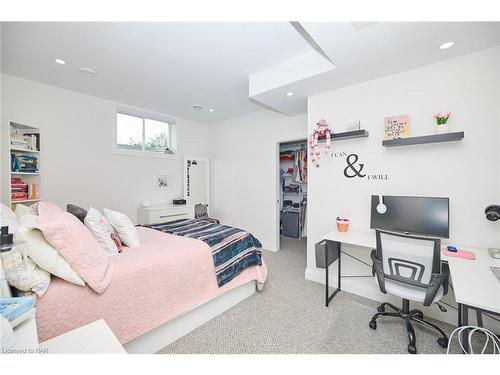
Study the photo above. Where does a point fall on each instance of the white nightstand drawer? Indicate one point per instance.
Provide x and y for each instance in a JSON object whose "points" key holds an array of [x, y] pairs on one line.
{"points": [[162, 214]]}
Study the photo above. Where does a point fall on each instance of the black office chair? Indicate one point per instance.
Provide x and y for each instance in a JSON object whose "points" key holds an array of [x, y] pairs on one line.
{"points": [[409, 267]]}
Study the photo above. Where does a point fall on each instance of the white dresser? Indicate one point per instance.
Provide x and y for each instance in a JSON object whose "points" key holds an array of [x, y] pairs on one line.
{"points": [[162, 213]]}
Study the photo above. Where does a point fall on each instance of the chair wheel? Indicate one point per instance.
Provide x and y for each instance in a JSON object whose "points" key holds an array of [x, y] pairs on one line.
{"points": [[442, 342], [412, 349], [381, 309], [373, 324]]}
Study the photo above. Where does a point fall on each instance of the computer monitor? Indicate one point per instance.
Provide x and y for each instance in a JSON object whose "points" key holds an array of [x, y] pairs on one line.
{"points": [[413, 215]]}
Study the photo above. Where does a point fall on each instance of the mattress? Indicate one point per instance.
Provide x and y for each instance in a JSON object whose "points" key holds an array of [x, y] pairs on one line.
{"points": [[153, 283]]}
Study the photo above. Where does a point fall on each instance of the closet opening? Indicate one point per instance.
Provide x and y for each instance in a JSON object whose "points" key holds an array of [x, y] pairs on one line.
{"points": [[292, 195]]}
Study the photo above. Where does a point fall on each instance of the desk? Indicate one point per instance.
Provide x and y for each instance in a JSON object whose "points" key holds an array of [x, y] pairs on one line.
{"points": [[351, 237], [475, 285], [473, 281]]}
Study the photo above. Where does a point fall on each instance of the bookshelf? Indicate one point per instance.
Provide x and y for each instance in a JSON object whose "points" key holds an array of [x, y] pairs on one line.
{"points": [[25, 157]]}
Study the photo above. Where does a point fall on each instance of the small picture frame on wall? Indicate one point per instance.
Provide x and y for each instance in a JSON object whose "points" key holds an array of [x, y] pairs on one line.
{"points": [[397, 127], [163, 182]]}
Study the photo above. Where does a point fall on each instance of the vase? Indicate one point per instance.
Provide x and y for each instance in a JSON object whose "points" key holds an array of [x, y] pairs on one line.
{"points": [[441, 129]]}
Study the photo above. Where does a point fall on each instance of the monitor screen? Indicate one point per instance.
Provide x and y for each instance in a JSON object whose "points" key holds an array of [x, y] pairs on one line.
{"points": [[414, 215]]}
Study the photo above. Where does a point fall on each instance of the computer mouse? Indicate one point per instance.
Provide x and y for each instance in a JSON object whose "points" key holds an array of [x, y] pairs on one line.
{"points": [[453, 249]]}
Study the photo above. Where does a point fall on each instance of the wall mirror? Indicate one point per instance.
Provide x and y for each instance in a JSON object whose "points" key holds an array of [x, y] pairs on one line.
{"points": [[196, 171]]}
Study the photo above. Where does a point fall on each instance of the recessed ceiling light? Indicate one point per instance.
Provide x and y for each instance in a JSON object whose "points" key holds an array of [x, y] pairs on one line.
{"points": [[197, 107], [60, 61], [289, 93], [87, 72], [211, 110], [446, 45]]}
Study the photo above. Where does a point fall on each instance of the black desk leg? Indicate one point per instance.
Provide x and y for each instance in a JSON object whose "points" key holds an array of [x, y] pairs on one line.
{"points": [[465, 322], [327, 300], [479, 317], [327, 257], [459, 310]]}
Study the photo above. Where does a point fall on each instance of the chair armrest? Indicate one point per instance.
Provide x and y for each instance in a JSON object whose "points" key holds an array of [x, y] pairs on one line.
{"points": [[437, 279], [378, 270], [445, 269]]}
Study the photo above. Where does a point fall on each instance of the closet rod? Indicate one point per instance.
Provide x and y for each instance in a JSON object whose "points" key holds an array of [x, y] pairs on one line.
{"points": [[294, 143]]}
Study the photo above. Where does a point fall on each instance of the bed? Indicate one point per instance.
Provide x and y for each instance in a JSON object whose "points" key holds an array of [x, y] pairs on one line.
{"points": [[154, 284]]}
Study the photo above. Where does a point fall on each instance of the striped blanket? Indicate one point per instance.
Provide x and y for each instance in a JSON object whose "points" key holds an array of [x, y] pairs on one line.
{"points": [[233, 249]]}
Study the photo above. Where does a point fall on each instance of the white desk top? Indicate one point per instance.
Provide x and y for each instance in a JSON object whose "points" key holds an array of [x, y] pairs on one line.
{"points": [[93, 338], [352, 237], [474, 283]]}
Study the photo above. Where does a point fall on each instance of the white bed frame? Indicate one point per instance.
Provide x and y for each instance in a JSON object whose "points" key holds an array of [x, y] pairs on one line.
{"points": [[167, 333]]}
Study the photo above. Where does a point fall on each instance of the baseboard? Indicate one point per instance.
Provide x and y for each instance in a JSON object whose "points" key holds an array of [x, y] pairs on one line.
{"points": [[315, 274]]}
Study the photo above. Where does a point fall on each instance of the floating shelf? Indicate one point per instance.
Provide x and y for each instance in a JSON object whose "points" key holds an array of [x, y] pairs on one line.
{"points": [[434, 138], [347, 135]]}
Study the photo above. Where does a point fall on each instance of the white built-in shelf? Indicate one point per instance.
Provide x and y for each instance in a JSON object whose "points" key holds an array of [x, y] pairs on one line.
{"points": [[18, 149], [24, 200], [28, 178]]}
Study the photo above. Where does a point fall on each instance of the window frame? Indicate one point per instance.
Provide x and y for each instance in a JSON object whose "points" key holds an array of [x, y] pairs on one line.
{"points": [[143, 115]]}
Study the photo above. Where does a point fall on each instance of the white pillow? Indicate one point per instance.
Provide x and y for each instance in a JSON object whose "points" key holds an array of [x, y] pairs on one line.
{"points": [[23, 274], [42, 253], [22, 210], [124, 227], [101, 229], [8, 218]]}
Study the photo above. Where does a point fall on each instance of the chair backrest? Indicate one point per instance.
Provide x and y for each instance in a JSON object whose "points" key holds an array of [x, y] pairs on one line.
{"points": [[408, 259]]}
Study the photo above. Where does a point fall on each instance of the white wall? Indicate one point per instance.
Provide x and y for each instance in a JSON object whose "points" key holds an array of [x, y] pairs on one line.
{"points": [[465, 171], [1, 144], [77, 162], [244, 170]]}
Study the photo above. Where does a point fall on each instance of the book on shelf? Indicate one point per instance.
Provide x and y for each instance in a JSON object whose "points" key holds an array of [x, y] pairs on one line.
{"points": [[19, 190], [33, 191], [29, 141], [23, 163]]}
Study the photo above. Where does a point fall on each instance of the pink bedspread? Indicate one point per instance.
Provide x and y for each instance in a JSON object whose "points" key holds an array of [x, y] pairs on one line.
{"points": [[155, 282]]}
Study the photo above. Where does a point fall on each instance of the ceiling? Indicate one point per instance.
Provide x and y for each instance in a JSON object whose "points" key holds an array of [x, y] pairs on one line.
{"points": [[230, 67]]}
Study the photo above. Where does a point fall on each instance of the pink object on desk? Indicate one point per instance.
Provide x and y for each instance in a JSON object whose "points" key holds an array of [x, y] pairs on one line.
{"points": [[469, 255]]}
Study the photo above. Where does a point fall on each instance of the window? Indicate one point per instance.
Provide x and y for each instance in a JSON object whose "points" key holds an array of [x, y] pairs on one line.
{"points": [[135, 132]]}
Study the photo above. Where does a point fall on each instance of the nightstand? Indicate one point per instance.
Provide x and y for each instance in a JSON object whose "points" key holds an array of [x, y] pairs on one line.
{"points": [[93, 338], [26, 335], [162, 213]]}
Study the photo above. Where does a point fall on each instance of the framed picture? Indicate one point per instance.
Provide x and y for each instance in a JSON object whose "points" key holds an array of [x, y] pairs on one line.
{"points": [[163, 182], [397, 127]]}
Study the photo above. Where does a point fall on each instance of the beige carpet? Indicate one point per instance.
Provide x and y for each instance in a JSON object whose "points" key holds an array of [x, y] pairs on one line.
{"points": [[289, 316]]}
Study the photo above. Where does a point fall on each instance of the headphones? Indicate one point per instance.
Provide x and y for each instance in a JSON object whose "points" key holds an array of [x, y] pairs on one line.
{"points": [[381, 207], [492, 212]]}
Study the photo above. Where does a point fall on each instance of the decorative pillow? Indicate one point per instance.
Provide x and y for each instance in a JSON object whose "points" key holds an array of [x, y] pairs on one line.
{"points": [[79, 212], [8, 218], [124, 227], [23, 274], [22, 210], [42, 253], [102, 230], [74, 241]]}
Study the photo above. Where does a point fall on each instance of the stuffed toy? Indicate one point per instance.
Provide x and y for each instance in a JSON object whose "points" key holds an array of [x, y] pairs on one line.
{"points": [[322, 129]]}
